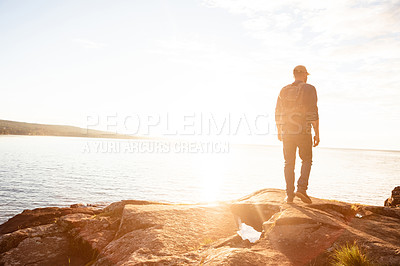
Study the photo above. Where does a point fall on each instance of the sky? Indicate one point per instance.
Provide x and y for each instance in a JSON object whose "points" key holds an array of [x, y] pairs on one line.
{"points": [[168, 68]]}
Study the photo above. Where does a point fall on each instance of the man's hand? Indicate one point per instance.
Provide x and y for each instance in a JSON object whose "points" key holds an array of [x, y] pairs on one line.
{"points": [[315, 125], [316, 140]]}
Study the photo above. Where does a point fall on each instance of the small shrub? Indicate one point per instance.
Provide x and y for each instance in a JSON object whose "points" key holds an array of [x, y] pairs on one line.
{"points": [[350, 255]]}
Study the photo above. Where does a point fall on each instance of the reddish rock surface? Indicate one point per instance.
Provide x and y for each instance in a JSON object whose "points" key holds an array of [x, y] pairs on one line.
{"points": [[29, 218], [149, 233], [167, 233]]}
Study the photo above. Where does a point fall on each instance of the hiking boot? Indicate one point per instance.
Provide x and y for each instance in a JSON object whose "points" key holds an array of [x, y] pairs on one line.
{"points": [[289, 199], [303, 196]]}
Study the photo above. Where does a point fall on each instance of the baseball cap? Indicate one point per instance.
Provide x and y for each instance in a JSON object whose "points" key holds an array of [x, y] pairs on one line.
{"points": [[300, 69]]}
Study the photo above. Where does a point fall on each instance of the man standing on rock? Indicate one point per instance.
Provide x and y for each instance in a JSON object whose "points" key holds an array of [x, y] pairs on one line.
{"points": [[295, 113]]}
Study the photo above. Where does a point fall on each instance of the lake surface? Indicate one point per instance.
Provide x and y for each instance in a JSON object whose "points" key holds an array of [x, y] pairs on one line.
{"points": [[60, 171]]}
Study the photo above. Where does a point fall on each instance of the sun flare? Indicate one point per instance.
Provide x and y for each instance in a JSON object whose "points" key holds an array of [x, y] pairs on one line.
{"points": [[211, 176]]}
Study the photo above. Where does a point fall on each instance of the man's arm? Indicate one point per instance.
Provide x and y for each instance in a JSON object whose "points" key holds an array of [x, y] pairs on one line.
{"points": [[315, 125], [278, 117], [312, 115]]}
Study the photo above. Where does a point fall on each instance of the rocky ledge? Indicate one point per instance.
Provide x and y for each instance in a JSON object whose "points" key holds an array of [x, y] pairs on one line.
{"points": [[135, 232]]}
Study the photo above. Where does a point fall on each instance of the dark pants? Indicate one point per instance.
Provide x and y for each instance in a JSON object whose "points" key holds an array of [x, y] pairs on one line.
{"points": [[290, 144]]}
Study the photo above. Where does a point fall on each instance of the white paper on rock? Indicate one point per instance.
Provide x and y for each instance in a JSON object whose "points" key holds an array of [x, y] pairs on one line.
{"points": [[248, 232]]}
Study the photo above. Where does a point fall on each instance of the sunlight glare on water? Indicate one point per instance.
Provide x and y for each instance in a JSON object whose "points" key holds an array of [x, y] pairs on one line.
{"points": [[54, 171]]}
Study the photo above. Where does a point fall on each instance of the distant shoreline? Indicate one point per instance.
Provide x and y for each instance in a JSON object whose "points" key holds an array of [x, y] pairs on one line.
{"points": [[10, 128], [14, 128]]}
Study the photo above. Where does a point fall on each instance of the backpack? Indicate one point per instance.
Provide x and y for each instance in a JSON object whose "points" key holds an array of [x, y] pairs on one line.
{"points": [[292, 98], [292, 108]]}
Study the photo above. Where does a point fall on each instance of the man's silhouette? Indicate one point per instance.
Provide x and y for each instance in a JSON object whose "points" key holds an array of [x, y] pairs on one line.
{"points": [[296, 112]]}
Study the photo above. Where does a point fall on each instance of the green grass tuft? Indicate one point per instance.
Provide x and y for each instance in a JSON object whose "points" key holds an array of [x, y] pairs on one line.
{"points": [[350, 255]]}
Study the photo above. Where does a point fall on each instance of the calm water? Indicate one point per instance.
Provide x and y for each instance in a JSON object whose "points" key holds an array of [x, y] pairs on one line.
{"points": [[58, 171]]}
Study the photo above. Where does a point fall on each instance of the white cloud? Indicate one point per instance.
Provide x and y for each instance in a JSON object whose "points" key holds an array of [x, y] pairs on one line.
{"points": [[326, 23], [336, 36]]}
